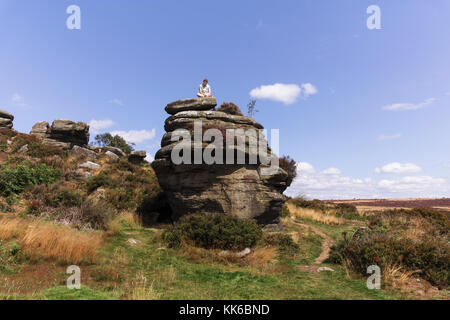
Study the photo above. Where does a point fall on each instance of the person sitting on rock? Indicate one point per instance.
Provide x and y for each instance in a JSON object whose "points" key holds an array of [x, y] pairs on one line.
{"points": [[204, 90]]}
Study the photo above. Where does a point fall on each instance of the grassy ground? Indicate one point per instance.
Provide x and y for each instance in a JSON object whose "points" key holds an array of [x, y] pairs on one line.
{"points": [[145, 269]]}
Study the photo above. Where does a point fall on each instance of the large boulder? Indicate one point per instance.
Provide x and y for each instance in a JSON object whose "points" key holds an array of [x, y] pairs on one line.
{"points": [[41, 129], [191, 104], [247, 190], [62, 133], [6, 119], [81, 152], [137, 157]]}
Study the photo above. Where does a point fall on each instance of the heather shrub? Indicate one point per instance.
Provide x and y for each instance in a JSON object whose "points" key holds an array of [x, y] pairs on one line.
{"points": [[126, 184], [216, 231], [22, 139], [39, 150], [429, 257], [348, 211], [97, 214], [56, 195], [230, 108], [310, 204], [283, 241], [100, 180]]}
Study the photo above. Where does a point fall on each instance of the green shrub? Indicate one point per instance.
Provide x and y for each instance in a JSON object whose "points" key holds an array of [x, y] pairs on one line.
{"points": [[214, 231], [310, 204], [283, 241], [100, 180], [13, 180], [348, 211], [14, 249]]}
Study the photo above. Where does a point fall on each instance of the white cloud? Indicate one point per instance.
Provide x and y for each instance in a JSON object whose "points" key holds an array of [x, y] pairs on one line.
{"points": [[318, 185], [136, 136], [389, 137], [408, 106], [116, 101], [305, 168], [412, 184], [19, 101], [149, 158], [397, 167], [97, 125], [332, 171], [286, 93], [308, 90]]}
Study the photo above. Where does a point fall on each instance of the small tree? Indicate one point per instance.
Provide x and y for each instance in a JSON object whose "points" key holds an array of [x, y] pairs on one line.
{"points": [[108, 140], [290, 166], [251, 108]]}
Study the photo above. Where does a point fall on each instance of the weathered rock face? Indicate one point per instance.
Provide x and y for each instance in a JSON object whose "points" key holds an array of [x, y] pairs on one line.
{"points": [[244, 190], [191, 104], [6, 119], [137, 157], [62, 133]]}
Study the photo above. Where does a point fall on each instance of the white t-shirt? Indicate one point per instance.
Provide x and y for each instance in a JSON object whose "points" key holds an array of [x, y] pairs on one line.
{"points": [[206, 89]]}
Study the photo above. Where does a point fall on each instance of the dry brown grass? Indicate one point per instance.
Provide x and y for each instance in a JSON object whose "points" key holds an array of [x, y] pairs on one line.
{"points": [[142, 289], [314, 215], [396, 277], [261, 257], [44, 239]]}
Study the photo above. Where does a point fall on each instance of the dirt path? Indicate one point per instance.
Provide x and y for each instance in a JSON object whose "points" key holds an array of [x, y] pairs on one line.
{"points": [[326, 246]]}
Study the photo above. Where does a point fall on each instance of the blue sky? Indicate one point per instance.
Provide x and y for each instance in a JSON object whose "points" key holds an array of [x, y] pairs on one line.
{"points": [[366, 113]]}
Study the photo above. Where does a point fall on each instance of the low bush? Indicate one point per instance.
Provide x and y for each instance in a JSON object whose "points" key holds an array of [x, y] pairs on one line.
{"points": [[22, 139], [56, 195], [97, 214], [284, 242], [100, 180], [126, 184], [310, 204], [13, 180], [230, 108], [39, 150], [348, 211], [431, 258], [216, 231]]}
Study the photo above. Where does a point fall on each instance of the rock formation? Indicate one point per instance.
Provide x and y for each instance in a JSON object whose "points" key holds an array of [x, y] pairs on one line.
{"points": [[237, 189], [62, 133], [137, 157], [6, 119]]}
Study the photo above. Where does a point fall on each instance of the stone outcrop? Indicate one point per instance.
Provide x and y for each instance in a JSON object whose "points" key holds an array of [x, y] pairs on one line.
{"points": [[6, 119], [137, 157], [62, 133], [244, 190], [191, 104]]}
